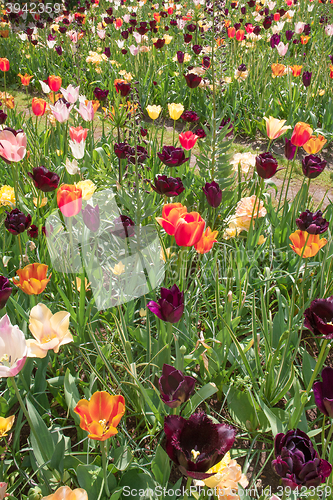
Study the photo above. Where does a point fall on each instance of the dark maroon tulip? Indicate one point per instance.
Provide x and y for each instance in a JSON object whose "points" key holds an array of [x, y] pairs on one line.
{"points": [[169, 186], [187, 37], [180, 56], [323, 392], [62, 29], [213, 194], [107, 52], [33, 231], [124, 51], [237, 26], [123, 227], [256, 30], [296, 42], [307, 78], [251, 3], [159, 43], [170, 306], [58, 49], [124, 34], [90, 216], [109, 11], [123, 88], [3, 117], [197, 49], [121, 149], [275, 40], [5, 291], [191, 28], [173, 22], [192, 80], [319, 317], [175, 387], [44, 180], [297, 462], [200, 133], [307, 29], [153, 23], [143, 28], [267, 23], [206, 61], [289, 35], [197, 444], [266, 165], [289, 149], [313, 166], [100, 94], [172, 157], [313, 223], [17, 222], [143, 132], [141, 154], [190, 116]]}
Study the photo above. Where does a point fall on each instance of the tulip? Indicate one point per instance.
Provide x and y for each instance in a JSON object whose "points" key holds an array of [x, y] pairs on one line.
{"points": [[32, 278], [323, 392], [50, 331], [65, 493], [38, 106], [77, 148], [282, 49], [175, 110], [168, 186], [54, 83], [13, 349], [314, 144], [123, 227], [289, 34], [121, 149], [172, 157], [87, 187], [159, 43], [197, 49], [175, 388], [25, 79], [231, 32], [296, 69], [171, 213], [319, 317], [200, 133], [5, 425], [240, 35], [275, 40], [313, 166], [188, 140], [187, 37], [301, 134], [190, 116], [189, 229], [90, 216], [5, 291], [13, 145], [154, 111], [197, 444], [123, 88], [4, 64], [206, 62], [170, 306], [289, 149], [140, 157], [78, 134], [3, 118], [3, 487], [278, 69], [17, 222], [100, 94], [306, 78], [305, 244], [313, 223], [180, 56], [71, 94], [297, 463], [101, 415], [205, 244], [266, 165], [69, 200], [275, 127], [33, 231], [213, 194], [192, 80], [44, 180], [61, 111], [86, 111]]}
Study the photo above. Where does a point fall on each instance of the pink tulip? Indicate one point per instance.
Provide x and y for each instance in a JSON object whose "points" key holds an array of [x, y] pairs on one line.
{"points": [[78, 134], [87, 112], [188, 140], [299, 27], [13, 348], [126, 18], [60, 111], [282, 48], [71, 94], [101, 34], [13, 145], [133, 50]]}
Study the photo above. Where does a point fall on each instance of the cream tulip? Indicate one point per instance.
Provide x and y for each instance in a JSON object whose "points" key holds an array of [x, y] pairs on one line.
{"points": [[175, 110], [65, 493]]}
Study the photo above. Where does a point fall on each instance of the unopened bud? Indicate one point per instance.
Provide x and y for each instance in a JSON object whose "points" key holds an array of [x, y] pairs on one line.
{"points": [[230, 296], [182, 349]]}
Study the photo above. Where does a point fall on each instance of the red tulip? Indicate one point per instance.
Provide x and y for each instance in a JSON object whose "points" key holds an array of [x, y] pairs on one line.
{"points": [[69, 199], [189, 229], [188, 140]]}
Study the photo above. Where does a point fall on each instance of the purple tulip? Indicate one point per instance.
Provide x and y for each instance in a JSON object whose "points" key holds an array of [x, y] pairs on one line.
{"points": [[275, 40], [191, 27], [180, 56], [323, 392], [319, 317], [33, 231], [121, 149], [297, 462], [169, 186], [213, 194], [170, 306], [267, 23], [187, 37], [192, 80], [289, 149], [197, 444], [266, 165], [5, 291], [3, 117], [141, 154], [123, 226], [172, 157], [58, 49], [307, 78], [17, 222], [107, 52], [197, 49], [313, 166], [175, 388], [159, 43], [91, 217], [289, 35], [313, 223]]}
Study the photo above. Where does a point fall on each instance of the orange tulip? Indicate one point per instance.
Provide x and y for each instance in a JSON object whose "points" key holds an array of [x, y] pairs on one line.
{"points": [[171, 213], [304, 39], [65, 493], [331, 71], [25, 80], [296, 69], [69, 199], [4, 33], [240, 35], [314, 144], [54, 82], [301, 134], [38, 106], [207, 240], [4, 64], [309, 242], [189, 229], [119, 22], [231, 32], [101, 415], [227, 23], [278, 69], [157, 17], [276, 16], [32, 278]]}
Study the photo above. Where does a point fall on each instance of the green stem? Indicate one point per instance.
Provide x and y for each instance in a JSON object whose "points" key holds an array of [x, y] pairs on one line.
{"points": [[328, 439], [105, 467], [187, 487]]}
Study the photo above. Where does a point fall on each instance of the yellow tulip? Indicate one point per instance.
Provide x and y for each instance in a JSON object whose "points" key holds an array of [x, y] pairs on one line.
{"points": [[87, 187], [154, 111], [175, 110], [5, 425]]}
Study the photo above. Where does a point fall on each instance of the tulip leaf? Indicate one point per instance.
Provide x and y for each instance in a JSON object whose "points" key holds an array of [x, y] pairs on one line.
{"points": [[122, 457], [57, 460], [90, 478], [44, 448], [203, 393], [137, 485], [72, 395], [276, 425], [161, 466]]}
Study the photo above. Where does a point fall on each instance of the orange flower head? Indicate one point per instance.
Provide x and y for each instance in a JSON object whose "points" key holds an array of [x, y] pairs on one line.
{"points": [[304, 39], [54, 82], [296, 69], [38, 106], [101, 415], [32, 278], [240, 35], [4, 33], [206, 242], [118, 22], [227, 23], [25, 79], [189, 229], [157, 17], [231, 32], [95, 104], [331, 71], [315, 144], [69, 199], [306, 244], [278, 69], [4, 64], [171, 213], [65, 493], [301, 134]]}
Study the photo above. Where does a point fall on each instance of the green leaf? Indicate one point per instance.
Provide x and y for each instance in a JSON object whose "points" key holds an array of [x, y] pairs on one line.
{"points": [[161, 466], [137, 485], [44, 448], [122, 457], [72, 395], [203, 393], [57, 460]]}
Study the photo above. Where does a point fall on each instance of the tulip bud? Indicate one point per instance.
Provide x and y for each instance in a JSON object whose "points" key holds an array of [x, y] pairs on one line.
{"points": [[213, 194], [91, 217], [266, 165]]}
